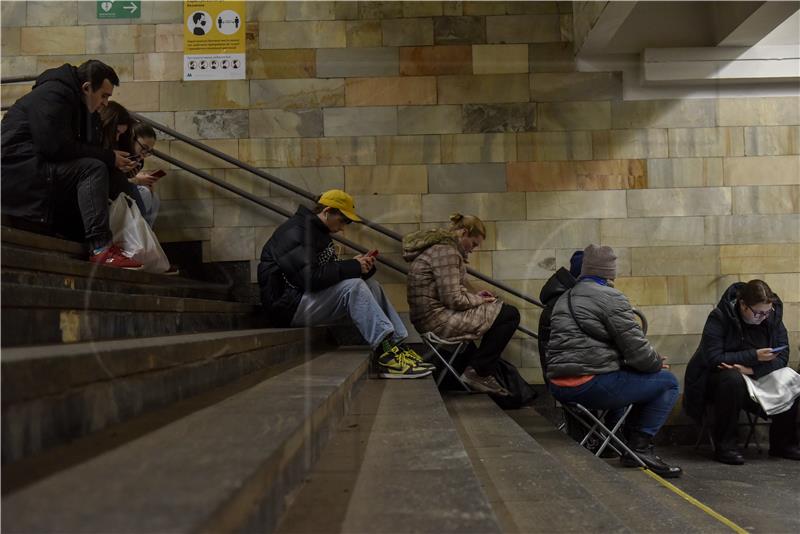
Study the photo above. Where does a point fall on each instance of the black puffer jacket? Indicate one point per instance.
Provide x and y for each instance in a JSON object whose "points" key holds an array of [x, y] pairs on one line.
{"points": [[556, 286], [299, 258], [615, 339], [49, 124], [723, 342]]}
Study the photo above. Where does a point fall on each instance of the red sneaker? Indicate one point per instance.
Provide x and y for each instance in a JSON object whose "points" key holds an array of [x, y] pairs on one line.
{"points": [[113, 257]]}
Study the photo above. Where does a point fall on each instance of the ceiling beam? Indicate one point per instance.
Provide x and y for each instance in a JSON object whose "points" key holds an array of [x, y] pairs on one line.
{"points": [[697, 66], [763, 20], [606, 27]]}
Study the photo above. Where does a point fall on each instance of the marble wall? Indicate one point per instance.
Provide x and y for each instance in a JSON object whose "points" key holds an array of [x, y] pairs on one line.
{"points": [[422, 108]]}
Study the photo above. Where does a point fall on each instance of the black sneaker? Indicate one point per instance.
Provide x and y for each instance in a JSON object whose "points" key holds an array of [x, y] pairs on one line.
{"points": [[792, 452], [395, 364]]}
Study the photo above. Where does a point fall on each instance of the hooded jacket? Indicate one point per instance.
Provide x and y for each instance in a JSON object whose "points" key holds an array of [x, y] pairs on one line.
{"points": [[438, 299], [613, 337], [48, 125], [723, 341], [556, 286], [299, 258]]}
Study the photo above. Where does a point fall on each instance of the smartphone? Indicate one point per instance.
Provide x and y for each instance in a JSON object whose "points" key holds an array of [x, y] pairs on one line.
{"points": [[778, 349], [372, 253], [157, 173]]}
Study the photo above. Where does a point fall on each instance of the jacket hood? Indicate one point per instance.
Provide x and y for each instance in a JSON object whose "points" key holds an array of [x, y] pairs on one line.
{"points": [[557, 285], [727, 305], [65, 74], [418, 242], [305, 217]]}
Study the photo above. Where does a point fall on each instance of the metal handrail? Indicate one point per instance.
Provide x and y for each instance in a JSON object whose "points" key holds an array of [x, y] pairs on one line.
{"points": [[290, 187], [269, 205], [18, 79], [310, 196], [286, 213], [301, 192]]}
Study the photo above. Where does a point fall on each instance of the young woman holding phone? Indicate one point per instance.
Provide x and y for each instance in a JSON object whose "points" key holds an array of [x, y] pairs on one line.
{"points": [[743, 336]]}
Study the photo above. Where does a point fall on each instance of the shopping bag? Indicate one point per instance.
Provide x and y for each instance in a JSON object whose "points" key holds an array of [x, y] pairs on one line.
{"points": [[134, 236]]}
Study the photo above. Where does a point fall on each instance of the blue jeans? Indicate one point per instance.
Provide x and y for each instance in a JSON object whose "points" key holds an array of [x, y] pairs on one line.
{"points": [[361, 301], [151, 203], [652, 394]]}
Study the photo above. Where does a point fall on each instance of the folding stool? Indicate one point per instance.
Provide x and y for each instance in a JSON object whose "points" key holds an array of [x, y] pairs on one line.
{"points": [[595, 427], [436, 344], [752, 421]]}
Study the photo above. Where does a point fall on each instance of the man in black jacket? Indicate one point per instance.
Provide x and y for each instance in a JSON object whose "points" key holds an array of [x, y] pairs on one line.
{"points": [[52, 155], [743, 335], [303, 283]]}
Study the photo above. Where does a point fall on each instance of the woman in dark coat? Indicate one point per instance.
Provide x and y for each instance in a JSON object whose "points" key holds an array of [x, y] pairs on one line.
{"points": [[741, 337]]}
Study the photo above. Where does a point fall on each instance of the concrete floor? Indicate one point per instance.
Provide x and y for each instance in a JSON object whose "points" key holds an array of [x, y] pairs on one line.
{"points": [[763, 495]]}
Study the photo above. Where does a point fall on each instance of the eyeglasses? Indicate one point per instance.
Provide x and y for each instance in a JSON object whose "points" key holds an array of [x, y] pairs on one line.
{"points": [[145, 149], [758, 314]]}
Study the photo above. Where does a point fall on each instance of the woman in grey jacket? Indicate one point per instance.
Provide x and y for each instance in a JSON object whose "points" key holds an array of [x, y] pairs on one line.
{"points": [[598, 356]]}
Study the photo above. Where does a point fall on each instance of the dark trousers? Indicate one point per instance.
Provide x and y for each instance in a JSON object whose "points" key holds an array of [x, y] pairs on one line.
{"points": [[484, 358], [727, 392], [84, 182], [118, 183]]}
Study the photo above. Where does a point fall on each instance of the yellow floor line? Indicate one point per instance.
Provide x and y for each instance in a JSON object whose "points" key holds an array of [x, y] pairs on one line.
{"points": [[719, 517]]}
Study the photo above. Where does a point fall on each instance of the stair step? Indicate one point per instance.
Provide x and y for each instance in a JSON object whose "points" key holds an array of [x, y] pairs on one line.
{"points": [[34, 241], [36, 268], [563, 488], [38, 315], [224, 468], [56, 393], [395, 464]]}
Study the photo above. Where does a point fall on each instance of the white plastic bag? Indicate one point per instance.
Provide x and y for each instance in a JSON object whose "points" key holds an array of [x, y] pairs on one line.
{"points": [[134, 236]]}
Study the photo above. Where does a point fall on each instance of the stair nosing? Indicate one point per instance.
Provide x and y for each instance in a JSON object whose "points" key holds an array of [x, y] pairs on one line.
{"points": [[108, 301], [166, 484], [83, 269]]}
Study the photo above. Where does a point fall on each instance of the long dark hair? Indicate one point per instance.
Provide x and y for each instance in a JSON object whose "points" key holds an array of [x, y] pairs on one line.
{"points": [[112, 115], [756, 292]]}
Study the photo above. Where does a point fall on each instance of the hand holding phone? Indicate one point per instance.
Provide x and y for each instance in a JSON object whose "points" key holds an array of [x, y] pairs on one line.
{"points": [[372, 253], [485, 293], [157, 173]]}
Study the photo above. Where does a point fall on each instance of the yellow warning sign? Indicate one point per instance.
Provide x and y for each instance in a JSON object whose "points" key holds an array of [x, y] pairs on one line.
{"points": [[214, 40]]}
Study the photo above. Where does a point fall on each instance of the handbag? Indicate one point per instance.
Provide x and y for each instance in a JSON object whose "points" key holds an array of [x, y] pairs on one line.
{"points": [[520, 392], [134, 236]]}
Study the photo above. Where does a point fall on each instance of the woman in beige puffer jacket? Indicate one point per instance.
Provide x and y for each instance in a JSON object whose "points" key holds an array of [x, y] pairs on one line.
{"points": [[440, 301]]}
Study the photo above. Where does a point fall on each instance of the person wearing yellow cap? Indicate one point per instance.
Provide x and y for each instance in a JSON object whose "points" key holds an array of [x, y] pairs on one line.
{"points": [[304, 283]]}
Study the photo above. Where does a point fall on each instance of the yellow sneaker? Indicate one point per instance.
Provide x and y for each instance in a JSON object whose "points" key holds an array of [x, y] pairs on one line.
{"points": [[394, 363]]}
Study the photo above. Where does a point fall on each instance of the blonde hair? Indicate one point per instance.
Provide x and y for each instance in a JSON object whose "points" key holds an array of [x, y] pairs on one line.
{"points": [[473, 225]]}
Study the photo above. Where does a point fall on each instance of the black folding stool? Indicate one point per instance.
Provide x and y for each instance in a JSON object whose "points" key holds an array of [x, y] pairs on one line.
{"points": [[436, 344], [595, 427], [752, 421]]}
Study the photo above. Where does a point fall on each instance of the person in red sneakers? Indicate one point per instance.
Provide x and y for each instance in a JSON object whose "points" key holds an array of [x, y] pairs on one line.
{"points": [[112, 256], [53, 162]]}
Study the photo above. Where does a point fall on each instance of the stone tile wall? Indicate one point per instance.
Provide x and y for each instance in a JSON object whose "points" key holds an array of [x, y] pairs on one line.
{"points": [[421, 109]]}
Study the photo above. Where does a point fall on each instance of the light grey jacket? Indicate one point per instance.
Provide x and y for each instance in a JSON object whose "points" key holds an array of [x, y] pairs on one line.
{"points": [[616, 339]]}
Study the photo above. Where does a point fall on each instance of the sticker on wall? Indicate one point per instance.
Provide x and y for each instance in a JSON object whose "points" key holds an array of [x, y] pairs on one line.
{"points": [[119, 9], [214, 40]]}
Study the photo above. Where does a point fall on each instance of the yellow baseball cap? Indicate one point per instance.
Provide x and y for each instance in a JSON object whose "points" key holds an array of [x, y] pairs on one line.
{"points": [[336, 198]]}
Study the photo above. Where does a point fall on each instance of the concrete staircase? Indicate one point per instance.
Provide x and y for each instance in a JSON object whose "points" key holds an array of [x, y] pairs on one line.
{"points": [[144, 403], [141, 402]]}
